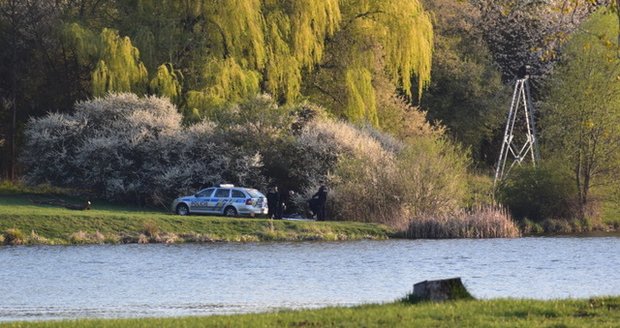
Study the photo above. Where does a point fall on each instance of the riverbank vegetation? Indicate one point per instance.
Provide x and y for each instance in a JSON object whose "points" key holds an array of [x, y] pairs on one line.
{"points": [[122, 147], [594, 312], [139, 102], [24, 222]]}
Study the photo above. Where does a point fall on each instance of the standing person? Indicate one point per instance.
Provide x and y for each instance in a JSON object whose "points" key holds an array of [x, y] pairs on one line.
{"points": [[321, 200], [280, 206], [273, 202]]}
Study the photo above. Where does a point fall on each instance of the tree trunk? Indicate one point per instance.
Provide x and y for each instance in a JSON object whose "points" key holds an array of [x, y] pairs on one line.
{"points": [[441, 290]]}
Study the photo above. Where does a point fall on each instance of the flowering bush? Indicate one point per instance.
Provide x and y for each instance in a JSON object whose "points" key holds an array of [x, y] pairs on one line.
{"points": [[122, 147]]}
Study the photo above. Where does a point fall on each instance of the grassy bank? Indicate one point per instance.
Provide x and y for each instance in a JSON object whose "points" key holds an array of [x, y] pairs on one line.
{"points": [[24, 222], [598, 312]]}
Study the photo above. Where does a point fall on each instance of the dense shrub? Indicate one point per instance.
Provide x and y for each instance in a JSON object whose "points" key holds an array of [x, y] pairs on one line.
{"points": [[260, 126], [480, 188], [539, 193], [375, 178], [122, 147], [322, 144], [206, 156], [433, 172]]}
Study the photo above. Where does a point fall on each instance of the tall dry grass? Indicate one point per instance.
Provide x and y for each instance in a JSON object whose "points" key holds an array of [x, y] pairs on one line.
{"points": [[14, 236], [483, 222], [82, 237]]}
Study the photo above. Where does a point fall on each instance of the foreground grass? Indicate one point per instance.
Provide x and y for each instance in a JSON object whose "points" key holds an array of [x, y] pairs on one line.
{"points": [[597, 312], [23, 222]]}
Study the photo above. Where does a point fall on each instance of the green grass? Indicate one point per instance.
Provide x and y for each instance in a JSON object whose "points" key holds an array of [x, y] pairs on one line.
{"points": [[597, 312], [46, 224]]}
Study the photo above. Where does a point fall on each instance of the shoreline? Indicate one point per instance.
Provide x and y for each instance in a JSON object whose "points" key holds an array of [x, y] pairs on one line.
{"points": [[23, 222], [170, 229], [265, 231]]}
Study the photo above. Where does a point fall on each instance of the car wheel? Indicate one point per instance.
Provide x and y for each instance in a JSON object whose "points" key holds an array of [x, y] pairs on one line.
{"points": [[182, 209], [230, 211]]}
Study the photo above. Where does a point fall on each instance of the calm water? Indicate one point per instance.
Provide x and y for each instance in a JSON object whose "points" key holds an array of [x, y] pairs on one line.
{"points": [[52, 282]]}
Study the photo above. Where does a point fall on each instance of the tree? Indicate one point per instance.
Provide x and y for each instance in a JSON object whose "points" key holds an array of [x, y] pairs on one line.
{"points": [[381, 47], [581, 116], [117, 64], [529, 32], [205, 55], [166, 83], [466, 93], [231, 50], [31, 65]]}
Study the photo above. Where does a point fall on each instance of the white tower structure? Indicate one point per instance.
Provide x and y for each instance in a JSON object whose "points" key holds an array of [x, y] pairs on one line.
{"points": [[519, 141]]}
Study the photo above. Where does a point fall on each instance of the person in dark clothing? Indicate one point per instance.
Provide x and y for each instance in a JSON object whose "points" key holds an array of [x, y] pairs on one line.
{"points": [[280, 207], [273, 203], [313, 204], [320, 200]]}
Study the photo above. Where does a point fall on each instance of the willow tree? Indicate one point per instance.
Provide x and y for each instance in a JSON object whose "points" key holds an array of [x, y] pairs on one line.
{"points": [[271, 41], [236, 53], [391, 40], [295, 34], [166, 82], [223, 47], [226, 81], [117, 64], [230, 50]]}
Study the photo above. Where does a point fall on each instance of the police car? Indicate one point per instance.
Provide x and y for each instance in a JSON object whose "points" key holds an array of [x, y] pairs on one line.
{"points": [[225, 199]]}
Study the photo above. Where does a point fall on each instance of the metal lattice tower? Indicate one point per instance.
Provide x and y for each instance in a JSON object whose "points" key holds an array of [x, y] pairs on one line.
{"points": [[519, 141]]}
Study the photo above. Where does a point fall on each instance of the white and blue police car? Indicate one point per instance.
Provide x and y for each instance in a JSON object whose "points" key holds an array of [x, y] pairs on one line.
{"points": [[226, 199]]}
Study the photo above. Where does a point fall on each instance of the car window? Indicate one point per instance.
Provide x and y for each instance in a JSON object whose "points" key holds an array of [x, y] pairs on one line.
{"points": [[238, 194], [222, 193], [205, 193], [254, 193]]}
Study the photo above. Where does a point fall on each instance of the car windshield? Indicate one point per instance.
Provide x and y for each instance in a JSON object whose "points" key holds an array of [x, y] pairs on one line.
{"points": [[254, 193]]}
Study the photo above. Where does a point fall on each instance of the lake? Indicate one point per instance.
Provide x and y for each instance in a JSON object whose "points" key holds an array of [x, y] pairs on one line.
{"points": [[105, 281]]}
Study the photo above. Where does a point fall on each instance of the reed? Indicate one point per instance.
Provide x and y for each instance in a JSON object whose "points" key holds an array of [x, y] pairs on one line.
{"points": [[36, 239], [151, 229], [14, 237], [82, 237], [481, 222]]}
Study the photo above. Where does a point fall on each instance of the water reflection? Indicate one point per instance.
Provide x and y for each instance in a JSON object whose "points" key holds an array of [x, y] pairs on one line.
{"points": [[46, 282]]}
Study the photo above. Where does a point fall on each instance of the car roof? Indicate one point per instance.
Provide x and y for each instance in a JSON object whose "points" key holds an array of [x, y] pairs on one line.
{"points": [[228, 187]]}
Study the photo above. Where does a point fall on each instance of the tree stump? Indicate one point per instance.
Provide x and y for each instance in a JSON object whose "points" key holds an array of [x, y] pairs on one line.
{"points": [[441, 290]]}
